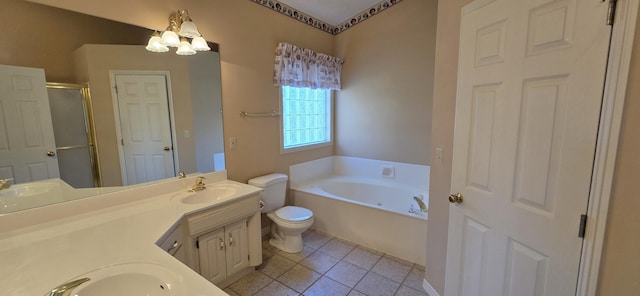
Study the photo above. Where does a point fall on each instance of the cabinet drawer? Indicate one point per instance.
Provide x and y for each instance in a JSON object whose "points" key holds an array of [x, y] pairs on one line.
{"points": [[225, 214], [173, 242]]}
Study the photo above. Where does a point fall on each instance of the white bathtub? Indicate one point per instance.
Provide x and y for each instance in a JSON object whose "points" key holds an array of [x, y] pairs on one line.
{"points": [[387, 196], [375, 212]]}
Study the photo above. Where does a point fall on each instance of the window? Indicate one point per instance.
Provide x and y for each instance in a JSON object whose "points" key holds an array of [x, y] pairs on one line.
{"points": [[306, 118]]}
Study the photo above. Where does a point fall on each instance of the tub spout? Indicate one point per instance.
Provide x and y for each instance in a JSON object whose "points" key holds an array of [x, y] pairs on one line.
{"points": [[423, 207]]}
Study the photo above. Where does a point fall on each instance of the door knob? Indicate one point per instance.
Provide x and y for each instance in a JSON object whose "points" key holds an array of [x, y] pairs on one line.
{"points": [[51, 153], [167, 148], [455, 198]]}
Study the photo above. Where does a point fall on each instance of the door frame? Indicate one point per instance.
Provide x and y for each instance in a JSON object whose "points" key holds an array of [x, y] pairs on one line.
{"points": [[116, 112], [607, 144]]}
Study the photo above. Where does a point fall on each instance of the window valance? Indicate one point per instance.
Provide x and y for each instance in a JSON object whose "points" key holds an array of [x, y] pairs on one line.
{"points": [[301, 67]]}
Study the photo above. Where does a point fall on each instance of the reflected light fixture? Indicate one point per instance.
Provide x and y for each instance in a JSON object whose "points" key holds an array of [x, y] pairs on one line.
{"points": [[156, 44], [185, 48], [180, 28]]}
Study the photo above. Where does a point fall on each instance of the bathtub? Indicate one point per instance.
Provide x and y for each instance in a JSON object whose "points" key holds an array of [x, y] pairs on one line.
{"points": [[370, 209]]}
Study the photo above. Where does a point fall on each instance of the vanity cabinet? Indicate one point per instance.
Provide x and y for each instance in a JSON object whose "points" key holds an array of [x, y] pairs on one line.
{"points": [[224, 242]]}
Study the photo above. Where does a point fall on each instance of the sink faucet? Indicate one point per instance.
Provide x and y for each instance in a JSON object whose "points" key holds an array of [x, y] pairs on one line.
{"points": [[67, 288], [423, 207], [199, 185], [3, 183]]}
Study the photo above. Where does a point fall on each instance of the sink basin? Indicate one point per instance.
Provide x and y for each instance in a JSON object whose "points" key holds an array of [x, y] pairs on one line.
{"points": [[209, 194], [30, 189], [134, 279]]}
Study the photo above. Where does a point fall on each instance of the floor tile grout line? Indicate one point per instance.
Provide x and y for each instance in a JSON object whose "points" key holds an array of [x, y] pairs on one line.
{"points": [[339, 260], [343, 259]]}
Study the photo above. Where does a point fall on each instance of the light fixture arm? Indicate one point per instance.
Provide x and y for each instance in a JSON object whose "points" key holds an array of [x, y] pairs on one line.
{"points": [[174, 23], [184, 15]]}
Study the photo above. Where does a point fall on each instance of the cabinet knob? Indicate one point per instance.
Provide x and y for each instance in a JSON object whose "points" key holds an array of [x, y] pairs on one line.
{"points": [[174, 248], [221, 244], [230, 240]]}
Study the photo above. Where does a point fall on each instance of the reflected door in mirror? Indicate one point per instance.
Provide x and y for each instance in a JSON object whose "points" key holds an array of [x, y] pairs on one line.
{"points": [[27, 145], [143, 106]]}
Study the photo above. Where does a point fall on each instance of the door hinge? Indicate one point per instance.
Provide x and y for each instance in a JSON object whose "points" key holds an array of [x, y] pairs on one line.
{"points": [[197, 244], [122, 142], [611, 12], [583, 226], [116, 88]]}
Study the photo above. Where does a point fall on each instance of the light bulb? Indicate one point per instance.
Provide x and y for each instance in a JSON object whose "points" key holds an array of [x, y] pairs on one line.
{"points": [[170, 38], [155, 44], [185, 48], [199, 44]]}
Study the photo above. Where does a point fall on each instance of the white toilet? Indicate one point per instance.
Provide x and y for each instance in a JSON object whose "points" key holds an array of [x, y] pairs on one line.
{"points": [[288, 222]]}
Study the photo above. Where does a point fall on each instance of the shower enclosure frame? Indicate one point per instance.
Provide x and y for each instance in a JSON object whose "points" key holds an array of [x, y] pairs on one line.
{"points": [[88, 116]]}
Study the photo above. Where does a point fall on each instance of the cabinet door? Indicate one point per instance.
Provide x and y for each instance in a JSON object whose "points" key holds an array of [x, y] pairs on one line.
{"points": [[237, 246], [212, 256]]}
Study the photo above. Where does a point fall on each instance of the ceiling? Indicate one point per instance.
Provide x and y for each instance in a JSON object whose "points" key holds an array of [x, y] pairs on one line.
{"points": [[331, 16], [332, 12]]}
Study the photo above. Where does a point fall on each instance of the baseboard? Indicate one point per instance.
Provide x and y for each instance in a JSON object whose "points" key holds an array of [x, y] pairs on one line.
{"points": [[429, 289]]}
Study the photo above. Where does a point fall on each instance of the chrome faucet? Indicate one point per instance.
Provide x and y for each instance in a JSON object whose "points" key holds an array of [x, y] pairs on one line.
{"points": [[3, 183], [199, 185], [67, 288], [423, 207]]}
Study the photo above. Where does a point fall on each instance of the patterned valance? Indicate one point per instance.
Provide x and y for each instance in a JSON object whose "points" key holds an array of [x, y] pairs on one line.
{"points": [[301, 67]]}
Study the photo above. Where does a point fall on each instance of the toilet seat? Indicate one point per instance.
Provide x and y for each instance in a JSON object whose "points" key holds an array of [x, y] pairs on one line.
{"points": [[294, 214]]}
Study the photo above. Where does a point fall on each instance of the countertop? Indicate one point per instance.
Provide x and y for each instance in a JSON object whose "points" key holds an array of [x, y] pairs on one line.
{"points": [[37, 257]]}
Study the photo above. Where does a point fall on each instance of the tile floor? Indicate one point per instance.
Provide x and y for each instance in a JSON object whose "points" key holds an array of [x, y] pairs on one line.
{"points": [[330, 266]]}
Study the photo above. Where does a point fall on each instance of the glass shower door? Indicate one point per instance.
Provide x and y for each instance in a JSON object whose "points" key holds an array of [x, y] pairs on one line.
{"points": [[70, 113]]}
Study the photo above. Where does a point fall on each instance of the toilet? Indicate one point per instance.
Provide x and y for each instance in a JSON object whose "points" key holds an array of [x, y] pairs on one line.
{"points": [[289, 222]]}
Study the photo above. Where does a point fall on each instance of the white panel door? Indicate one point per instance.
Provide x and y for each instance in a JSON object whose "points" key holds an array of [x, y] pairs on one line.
{"points": [[27, 145], [145, 127], [530, 83]]}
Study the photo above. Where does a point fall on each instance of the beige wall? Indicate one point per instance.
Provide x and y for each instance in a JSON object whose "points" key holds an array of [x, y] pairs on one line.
{"points": [[248, 35], [99, 60], [620, 269], [36, 39], [384, 108]]}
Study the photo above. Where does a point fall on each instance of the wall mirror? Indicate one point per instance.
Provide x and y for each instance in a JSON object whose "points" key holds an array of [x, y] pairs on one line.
{"points": [[133, 115]]}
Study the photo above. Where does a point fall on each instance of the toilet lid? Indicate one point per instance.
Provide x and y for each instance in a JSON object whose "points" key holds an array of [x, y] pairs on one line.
{"points": [[294, 213]]}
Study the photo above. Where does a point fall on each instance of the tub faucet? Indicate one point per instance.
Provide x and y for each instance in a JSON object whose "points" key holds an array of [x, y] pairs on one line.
{"points": [[199, 185], [423, 207], [4, 183]]}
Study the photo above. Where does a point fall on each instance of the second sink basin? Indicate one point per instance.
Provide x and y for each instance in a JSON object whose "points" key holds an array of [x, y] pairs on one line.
{"points": [[135, 279], [210, 194], [30, 189]]}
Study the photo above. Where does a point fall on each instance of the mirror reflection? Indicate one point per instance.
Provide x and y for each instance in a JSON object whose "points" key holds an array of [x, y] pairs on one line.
{"points": [[97, 110]]}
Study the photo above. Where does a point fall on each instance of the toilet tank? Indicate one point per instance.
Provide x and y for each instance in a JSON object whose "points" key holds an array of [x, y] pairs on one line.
{"points": [[274, 188]]}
